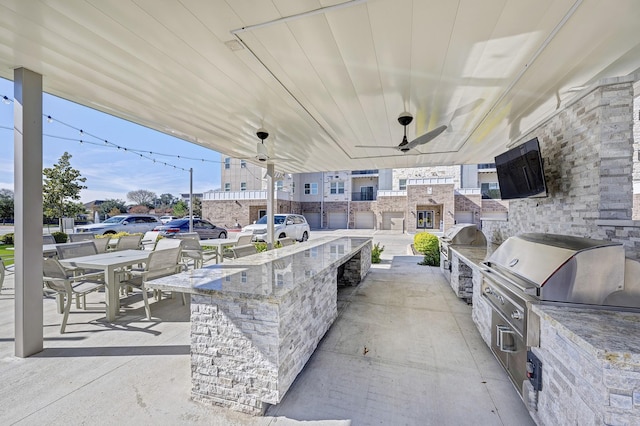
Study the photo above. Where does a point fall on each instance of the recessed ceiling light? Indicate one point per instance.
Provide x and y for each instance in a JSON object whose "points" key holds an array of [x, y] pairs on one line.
{"points": [[234, 45]]}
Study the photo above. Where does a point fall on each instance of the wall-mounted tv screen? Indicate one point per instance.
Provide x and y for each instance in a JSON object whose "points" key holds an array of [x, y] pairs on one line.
{"points": [[520, 172]]}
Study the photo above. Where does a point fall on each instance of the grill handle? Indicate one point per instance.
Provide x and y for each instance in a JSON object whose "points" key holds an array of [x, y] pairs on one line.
{"points": [[501, 278], [505, 339]]}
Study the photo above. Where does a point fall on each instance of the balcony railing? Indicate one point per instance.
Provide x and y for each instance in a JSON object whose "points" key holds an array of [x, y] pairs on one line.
{"points": [[363, 196]]}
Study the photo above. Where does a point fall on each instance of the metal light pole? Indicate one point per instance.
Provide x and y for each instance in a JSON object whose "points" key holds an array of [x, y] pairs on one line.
{"points": [[191, 199]]}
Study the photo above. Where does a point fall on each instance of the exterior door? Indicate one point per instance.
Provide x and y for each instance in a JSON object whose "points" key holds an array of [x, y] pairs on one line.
{"points": [[425, 219]]}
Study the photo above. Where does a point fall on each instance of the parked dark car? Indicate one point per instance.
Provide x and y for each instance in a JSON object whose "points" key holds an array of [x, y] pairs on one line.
{"points": [[204, 228]]}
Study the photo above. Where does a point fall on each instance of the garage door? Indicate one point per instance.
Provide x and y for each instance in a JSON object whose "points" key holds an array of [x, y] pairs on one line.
{"points": [[392, 220], [464, 217], [337, 220], [364, 220], [313, 219]]}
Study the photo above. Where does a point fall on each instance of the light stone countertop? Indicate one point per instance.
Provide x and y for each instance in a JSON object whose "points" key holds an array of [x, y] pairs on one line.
{"points": [[610, 336], [473, 255], [268, 274]]}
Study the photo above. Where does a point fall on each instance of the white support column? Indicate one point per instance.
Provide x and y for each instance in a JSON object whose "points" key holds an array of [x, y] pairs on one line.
{"points": [[27, 139], [270, 213]]}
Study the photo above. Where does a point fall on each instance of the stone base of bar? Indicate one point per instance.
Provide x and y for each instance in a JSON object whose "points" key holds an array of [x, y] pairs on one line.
{"points": [[256, 321]]}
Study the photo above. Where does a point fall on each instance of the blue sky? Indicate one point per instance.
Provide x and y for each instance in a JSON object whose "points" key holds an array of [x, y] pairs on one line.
{"points": [[110, 172]]}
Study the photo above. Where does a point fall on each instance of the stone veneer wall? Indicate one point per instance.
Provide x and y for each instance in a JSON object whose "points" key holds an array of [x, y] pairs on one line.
{"points": [[246, 353], [636, 151], [461, 279], [579, 388], [588, 160]]}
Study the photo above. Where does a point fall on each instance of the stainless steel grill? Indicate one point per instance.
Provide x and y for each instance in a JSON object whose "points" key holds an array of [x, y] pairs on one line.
{"points": [[545, 268], [461, 234]]}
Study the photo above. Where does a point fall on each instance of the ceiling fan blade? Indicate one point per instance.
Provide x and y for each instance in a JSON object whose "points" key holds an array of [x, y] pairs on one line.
{"points": [[375, 146], [427, 137]]}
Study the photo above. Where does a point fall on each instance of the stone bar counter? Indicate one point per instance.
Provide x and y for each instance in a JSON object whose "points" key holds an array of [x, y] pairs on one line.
{"points": [[256, 321]]}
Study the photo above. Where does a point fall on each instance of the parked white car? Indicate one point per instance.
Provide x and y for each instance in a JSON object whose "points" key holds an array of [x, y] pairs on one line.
{"points": [[131, 223], [285, 225], [165, 219]]}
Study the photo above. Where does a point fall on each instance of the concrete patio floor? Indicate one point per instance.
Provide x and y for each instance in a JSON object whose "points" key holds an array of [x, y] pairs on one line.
{"points": [[403, 351]]}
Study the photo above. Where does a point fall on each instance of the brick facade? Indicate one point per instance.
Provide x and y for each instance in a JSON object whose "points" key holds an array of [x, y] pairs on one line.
{"points": [[439, 198]]}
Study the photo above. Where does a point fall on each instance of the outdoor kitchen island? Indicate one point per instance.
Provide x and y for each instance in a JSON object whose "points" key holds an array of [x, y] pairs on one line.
{"points": [[256, 321], [590, 355]]}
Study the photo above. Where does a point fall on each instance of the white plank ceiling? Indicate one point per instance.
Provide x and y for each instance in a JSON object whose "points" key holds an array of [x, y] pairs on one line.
{"points": [[325, 76]]}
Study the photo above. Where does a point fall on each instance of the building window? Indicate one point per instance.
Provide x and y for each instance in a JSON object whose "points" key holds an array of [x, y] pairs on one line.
{"points": [[337, 187], [490, 190], [243, 164], [279, 185], [227, 163], [293, 187], [243, 186], [227, 187], [311, 188], [402, 184]]}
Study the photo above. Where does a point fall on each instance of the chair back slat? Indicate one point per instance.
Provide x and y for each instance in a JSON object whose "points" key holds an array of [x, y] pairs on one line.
{"points": [[287, 241], [83, 236], [86, 248], [244, 250], [129, 242], [166, 243], [102, 244], [51, 268], [188, 236], [48, 239], [244, 239], [162, 263], [149, 240]]}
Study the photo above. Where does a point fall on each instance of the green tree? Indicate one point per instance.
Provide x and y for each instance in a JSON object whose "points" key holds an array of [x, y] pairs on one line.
{"points": [[6, 204], [142, 197], [61, 187], [197, 207], [180, 209], [166, 200], [112, 207]]}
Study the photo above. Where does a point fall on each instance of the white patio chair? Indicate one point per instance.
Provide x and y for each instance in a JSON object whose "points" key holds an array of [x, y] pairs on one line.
{"points": [[5, 270], [193, 251], [128, 242], [244, 250], [287, 241], [242, 240], [48, 239], [84, 248], [149, 240], [83, 236], [166, 243], [161, 263], [67, 285], [102, 244]]}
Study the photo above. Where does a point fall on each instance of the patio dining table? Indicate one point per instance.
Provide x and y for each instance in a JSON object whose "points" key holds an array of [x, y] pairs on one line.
{"points": [[219, 244], [109, 262]]}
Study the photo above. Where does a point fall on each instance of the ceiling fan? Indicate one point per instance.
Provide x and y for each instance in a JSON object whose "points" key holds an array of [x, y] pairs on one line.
{"points": [[405, 119]]}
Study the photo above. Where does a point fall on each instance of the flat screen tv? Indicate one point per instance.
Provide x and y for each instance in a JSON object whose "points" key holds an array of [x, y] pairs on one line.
{"points": [[520, 172]]}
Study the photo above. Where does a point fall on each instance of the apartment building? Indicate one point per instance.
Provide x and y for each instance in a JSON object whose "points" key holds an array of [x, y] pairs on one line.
{"points": [[411, 199]]}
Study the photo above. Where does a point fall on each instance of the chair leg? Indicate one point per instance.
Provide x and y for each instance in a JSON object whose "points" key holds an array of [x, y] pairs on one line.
{"points": [[145, 297], [65, 316]]}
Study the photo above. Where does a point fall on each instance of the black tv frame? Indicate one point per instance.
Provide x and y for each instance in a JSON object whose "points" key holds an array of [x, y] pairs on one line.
{"points": [[521, 172]]}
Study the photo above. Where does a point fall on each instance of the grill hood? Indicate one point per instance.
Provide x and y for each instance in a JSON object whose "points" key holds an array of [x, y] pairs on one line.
{"points": [[464, 234], [561, 268]]}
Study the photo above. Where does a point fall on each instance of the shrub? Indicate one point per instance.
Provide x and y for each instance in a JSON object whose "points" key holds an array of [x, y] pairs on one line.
{"points": [[7, 238], [60, 237], [375, 253], [427, 244]]}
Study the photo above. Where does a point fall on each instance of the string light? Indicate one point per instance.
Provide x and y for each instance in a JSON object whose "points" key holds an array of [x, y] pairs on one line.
{"points": [[83, 140]]}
